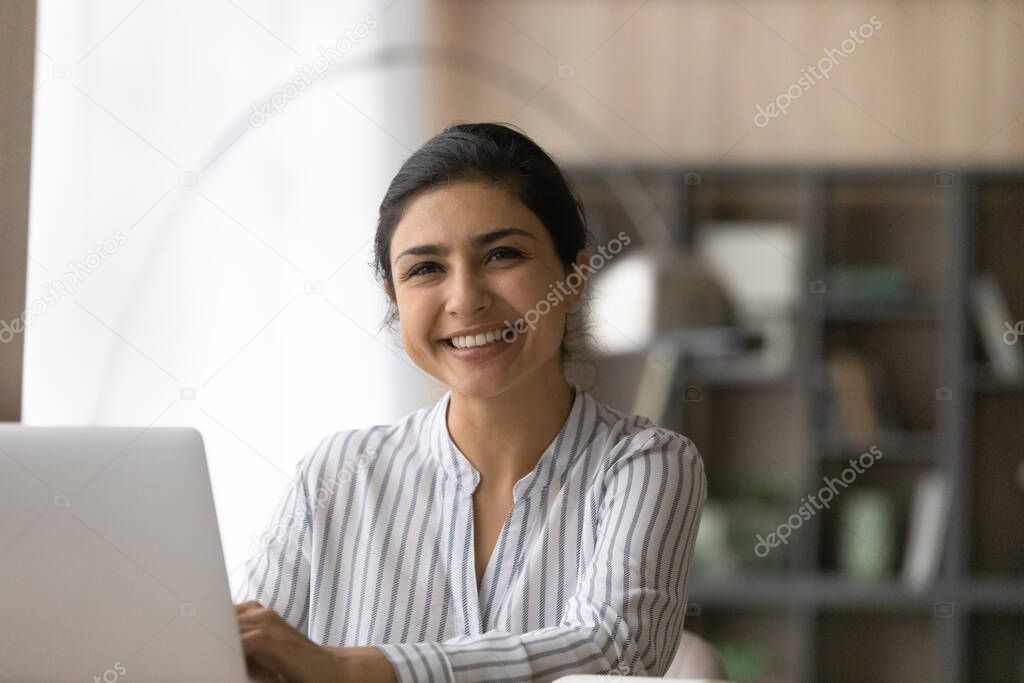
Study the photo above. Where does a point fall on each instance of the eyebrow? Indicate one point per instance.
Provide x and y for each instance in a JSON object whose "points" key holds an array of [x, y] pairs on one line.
{"points": [[478, 242]]}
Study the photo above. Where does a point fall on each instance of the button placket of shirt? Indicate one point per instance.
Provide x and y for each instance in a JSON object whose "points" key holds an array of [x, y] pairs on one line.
{"points": [[484, 610], [491, 597], [469, 604]]}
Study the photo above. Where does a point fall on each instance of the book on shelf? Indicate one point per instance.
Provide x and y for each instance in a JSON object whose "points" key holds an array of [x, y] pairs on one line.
{"points": [[997, 330], [926, 529], [867, 537], [859, 404], [869, 284]]}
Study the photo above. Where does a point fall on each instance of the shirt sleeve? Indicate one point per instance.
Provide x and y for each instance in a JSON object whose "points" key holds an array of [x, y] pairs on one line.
{"points": [[277, 571], [626, 616]]}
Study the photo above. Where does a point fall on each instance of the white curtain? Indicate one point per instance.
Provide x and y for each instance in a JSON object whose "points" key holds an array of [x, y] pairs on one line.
{"points": [[205, 180]]}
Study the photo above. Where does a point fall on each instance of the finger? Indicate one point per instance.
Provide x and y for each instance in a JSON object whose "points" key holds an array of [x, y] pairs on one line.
{"points": [[260, 617], [247, 606]]}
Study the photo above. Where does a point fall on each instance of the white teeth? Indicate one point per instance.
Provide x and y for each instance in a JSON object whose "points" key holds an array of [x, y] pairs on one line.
{"points": [[475, 340]]}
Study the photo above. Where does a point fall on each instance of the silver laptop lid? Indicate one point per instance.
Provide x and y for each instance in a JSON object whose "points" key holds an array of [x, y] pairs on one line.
{"points": [[110, 558]]}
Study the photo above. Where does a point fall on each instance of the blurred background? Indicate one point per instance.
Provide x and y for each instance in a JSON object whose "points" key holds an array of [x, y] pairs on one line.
{"points": [[821, 286]]}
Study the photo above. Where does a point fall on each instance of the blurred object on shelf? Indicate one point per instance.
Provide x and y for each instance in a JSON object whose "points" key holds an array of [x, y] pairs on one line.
{"points": [[728, 538], [645, 296], [730, 530], [760, 265], [671, 360], [744, 660], [926, 530], [867, 535], [766, 355], [668, 304], [853, 390], [999, 332], [869, 284], [657, 384], [860, 402], [713, 556]]}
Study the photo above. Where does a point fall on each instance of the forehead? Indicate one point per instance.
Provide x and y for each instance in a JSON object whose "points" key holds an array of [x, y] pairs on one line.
{"points": [[452, 213]]}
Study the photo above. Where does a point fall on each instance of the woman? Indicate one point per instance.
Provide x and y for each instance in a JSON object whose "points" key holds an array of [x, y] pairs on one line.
{"points": [[516, 530]]}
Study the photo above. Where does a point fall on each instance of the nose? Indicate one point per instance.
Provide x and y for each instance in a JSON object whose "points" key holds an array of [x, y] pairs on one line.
{"points": [[467, 293]]}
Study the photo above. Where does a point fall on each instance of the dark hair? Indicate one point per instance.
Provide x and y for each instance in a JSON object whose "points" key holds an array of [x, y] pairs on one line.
{"points": [[496, 153]]}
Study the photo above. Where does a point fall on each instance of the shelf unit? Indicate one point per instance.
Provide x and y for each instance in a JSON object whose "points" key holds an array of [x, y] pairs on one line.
{"points": [[806, 621]]}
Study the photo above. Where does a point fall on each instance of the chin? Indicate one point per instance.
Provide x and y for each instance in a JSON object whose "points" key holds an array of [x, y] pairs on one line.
{"points": [[481, 385]]}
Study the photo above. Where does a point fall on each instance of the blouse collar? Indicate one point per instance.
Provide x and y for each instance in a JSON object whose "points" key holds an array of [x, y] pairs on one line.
{"points": [[558, 454]]}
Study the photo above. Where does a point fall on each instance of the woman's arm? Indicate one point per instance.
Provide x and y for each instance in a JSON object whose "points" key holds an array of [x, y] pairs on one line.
{"points": [[277, 575], [365, 664], [627, 613]]}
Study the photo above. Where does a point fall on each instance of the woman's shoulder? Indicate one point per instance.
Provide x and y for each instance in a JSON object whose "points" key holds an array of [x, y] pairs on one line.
{"points": [[354, 450], [626, 437]]}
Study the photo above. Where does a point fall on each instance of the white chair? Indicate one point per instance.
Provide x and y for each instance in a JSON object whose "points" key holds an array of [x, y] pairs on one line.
{"points": [[696, 658]]}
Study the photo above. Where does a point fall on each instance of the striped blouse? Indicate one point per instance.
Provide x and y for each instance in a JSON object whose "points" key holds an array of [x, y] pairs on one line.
{"points": [[372, 544]]}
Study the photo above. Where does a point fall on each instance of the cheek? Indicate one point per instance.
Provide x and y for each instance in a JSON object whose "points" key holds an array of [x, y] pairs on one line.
{"points": [[527, 287], [541, 305], [414, 318]]}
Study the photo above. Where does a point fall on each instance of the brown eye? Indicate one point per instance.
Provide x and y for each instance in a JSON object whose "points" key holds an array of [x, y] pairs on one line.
{"points": [[505, 253], [424, 268]]}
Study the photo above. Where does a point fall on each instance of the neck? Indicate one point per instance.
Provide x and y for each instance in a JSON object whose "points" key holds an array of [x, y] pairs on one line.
{"points": [[504, 436]]}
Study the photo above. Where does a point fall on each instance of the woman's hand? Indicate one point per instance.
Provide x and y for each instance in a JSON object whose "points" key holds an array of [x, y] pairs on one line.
{"points": [[275, 651]]}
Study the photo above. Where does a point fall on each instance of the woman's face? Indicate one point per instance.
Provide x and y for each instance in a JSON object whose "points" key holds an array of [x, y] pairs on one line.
{"points": [[467, 259]]}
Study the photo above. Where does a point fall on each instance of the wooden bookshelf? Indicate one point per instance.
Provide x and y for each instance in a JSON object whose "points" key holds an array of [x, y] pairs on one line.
{"points": [[806, 620]]}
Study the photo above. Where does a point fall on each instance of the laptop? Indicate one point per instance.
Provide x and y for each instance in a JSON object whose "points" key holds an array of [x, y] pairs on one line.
{"points": [[111, 565]]}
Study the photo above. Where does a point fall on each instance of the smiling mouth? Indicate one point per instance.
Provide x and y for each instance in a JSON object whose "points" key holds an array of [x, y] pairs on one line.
{"points": [[507, 334]]}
